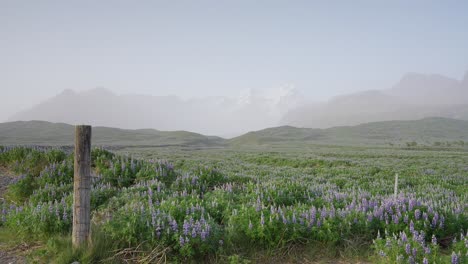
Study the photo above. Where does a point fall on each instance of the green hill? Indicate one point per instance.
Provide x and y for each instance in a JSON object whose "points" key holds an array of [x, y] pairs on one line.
{"points": [[46, 133], [427, 130]]}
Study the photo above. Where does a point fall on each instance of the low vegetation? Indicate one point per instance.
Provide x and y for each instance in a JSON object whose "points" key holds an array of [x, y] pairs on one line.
{"points": [[241, 207]]}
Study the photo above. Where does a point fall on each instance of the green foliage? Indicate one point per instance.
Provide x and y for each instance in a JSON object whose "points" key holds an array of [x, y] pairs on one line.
{"points": [[59, 249], [22, 189], [42, 220], [231, 204]]}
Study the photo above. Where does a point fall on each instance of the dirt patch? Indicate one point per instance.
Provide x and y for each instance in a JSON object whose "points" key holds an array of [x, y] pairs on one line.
{"points": [[7, 258]]}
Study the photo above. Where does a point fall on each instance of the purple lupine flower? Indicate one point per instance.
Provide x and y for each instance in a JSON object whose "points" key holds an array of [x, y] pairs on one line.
{"points": [[186, 227], [285, 221], [434, 220], [395, 219], [425, 216], [417, 214], [434, 240], [203, 235], [427, 250], [258, 204], [408, 248], [194, 233], [153, 217], [425, 261], [404, 238], [388, 243], [382, 254], [411, 228], [262, 220], [399, 258], [313, 215], [441, 222], [455, 259], [323, 213], [420, 238], [181, 241], [411, 204], [174, 225], [65, 215], [4, 214]]}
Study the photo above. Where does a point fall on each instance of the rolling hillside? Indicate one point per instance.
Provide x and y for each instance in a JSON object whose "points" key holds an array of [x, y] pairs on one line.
{"points": [[46, 133], [427, 130]]}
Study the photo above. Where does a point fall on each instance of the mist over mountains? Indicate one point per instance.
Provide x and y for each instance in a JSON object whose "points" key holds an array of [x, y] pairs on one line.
{"points": [[208, 115], [415, 96]]}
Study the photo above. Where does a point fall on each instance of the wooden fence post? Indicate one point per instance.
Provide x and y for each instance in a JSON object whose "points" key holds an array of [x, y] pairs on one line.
{"points": [[395, 189], [82, 186]]}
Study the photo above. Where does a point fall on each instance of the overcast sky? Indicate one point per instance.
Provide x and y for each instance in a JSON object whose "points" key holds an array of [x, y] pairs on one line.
{"points": [[199, 48]]}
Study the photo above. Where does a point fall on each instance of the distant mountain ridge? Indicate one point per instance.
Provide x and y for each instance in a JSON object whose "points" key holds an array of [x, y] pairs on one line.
{"points": [[427, 130], [214, 115], [415, 96]]}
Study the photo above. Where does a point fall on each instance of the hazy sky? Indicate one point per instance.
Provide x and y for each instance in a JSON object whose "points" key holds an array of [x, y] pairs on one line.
{"points": [[198, 48]]}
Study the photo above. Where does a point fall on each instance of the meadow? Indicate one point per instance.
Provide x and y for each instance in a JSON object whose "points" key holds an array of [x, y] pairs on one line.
{"points": [[297, 204]]}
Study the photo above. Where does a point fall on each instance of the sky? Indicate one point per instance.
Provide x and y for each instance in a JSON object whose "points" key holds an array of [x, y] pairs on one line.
{"points": [[203, 48]]}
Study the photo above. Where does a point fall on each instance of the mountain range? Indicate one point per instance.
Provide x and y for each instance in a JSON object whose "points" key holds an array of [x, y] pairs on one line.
{"points": [[413, 97], [208, 115]]}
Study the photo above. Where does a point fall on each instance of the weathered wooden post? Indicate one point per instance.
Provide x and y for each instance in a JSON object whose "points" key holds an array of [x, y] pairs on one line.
{"points": [[395, 189], [82, 186]]}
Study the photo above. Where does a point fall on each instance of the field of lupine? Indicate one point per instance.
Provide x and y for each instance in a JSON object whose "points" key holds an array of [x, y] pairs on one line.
{"points": [[246, 206]]}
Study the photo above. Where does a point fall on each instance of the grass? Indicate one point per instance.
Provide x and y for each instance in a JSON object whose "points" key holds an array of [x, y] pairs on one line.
{"points": [[345, 167], [58, 248]]}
